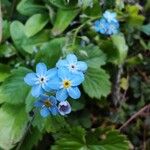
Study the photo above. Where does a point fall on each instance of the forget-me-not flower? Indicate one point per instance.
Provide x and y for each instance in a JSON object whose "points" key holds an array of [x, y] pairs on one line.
{"points": [[48, 105], [108, 24], [64, 108], [113, 28], [72, 64], [40, 80], [66, 84], [101, 26], [110, 16]]}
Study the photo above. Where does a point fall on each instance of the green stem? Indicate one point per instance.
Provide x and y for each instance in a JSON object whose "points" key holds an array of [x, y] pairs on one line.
{"points": [[80, 27]]}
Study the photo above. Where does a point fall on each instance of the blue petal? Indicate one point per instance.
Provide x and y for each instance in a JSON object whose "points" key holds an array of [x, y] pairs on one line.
{"points": [[77, 79], [44, 112], [30, 79], [96, 26], [71, 58], [110, 16], [53, 100], [61, 95], [43, 97], [41, 69], [38, 104], [54, 110], [53, 84], [61, 63], [37, 91], [51, 73], [63, 73], [45, 86], [82, 66], [74, 92]]}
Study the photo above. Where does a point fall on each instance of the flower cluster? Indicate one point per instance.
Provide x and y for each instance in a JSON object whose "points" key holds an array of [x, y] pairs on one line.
{"points": [[63, 81], [108, 24]]}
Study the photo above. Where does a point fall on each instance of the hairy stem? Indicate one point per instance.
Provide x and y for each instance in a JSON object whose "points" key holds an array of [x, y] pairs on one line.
{"points": [[80, 27], [147, 107], [116, 95]]}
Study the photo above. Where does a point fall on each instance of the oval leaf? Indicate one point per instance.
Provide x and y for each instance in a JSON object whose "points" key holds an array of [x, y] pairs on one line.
{"points": [[63, 19], [35, 24]]}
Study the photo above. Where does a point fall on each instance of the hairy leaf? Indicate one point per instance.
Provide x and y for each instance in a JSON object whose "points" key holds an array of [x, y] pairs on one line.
{"points": [[78, 139], [14, 90], [96, 83], [92, 55], [13, 121]]}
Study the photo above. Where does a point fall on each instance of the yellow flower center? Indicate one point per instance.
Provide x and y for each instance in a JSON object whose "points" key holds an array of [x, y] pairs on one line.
{"points": [[47, 103], [66, 84]]}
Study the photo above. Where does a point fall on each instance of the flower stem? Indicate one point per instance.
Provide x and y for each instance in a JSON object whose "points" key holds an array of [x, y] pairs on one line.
{"points": [[80, 27]]}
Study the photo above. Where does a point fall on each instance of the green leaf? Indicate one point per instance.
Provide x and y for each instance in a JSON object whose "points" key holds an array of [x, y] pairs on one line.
{"points": [[13, 121], [50, 52], [29, 102], [78, 139], [6, 30], [4, 72], [95, 10], [146, 29], [27, 44], [51, 124], [63, 19], [85, 3], [96, 83], [31, 139], [77, 104], [63, 4], [134, 19], [17, 33], [109, 49], [114, 141], [29, 8], [121, 47], [120, 4], [39, 122], [55, 123], [14, 90], [75, 140], [92, 55], [7, 50], [84, 119], [35, 24], [33, 43]]}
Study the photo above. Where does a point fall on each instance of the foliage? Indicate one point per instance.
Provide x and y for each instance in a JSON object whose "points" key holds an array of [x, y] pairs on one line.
{"points": [[47, 31]]}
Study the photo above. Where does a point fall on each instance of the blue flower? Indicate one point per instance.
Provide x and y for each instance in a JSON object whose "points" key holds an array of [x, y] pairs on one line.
{"points": [[66, 84], [110, 16], [72, 64], [48, 105], [101, 26], [113, 28], [64, 108], [40, 80], [106, 28]]}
